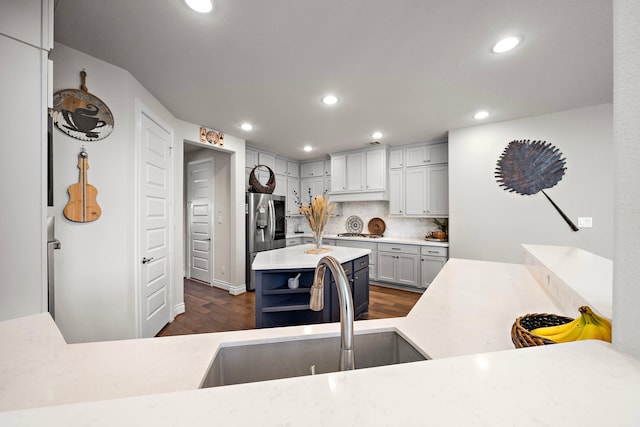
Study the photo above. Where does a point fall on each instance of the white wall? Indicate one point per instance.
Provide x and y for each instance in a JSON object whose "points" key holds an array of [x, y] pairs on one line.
{"points": [[626, 268], [489, 223], [97, 264]]}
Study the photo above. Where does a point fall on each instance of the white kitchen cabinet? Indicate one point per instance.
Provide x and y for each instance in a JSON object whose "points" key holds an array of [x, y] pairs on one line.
{"points": [[415, 197], [313, 186], [359, 175], [327, 184], [294, 241], [293, 187], [376, 170], [423, 155], [293, 169], [327, 168], [268, 160], [432, 260], [373, 256], [280, 166], [356, 171], [250, 159], [396, 192], [339, 173], [437, 190], [312, 169], [281, 185], [399, 264], [396, 159]]}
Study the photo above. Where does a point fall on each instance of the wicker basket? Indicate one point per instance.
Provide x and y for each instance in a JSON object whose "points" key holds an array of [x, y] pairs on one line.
{"points": [[521, 336]]}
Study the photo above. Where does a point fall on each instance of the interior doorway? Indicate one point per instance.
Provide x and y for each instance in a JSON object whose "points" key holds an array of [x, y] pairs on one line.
{"points": [[200, 206]]}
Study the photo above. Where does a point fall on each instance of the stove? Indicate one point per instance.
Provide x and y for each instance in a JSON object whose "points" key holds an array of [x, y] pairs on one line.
{"points": [[365, 236]]}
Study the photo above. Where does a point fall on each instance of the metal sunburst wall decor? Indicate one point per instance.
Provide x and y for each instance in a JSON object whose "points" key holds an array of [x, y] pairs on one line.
{"points": [[527, 168]]}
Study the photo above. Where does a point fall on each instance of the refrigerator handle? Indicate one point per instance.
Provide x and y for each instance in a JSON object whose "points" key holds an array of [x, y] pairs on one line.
{"points": [[272, 220]]}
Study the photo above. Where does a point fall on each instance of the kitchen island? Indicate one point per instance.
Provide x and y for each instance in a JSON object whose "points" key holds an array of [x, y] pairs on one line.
{"points": [[462, 322], [279, 305]]}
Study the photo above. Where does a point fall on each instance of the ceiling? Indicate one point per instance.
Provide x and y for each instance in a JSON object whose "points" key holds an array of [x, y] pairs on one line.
{"points": [[412, 69]]}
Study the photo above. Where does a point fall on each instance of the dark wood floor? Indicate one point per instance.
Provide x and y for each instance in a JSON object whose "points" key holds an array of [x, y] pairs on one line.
{"points": [[215, 310]]}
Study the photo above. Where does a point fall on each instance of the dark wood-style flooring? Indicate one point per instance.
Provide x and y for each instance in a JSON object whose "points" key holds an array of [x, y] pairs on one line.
{"points": [[211, 309]]}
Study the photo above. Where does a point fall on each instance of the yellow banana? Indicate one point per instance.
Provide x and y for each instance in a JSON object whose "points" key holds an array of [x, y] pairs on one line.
{"points": [[570, 335], [591, 331], [602, 323], [546, 331]]}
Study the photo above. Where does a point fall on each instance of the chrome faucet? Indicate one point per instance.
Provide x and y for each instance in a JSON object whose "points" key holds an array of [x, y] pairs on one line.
{"points": [[347, 360]]}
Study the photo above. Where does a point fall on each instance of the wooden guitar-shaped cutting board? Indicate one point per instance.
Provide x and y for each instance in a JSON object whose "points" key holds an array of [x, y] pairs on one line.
{"points": [[82, 206]]}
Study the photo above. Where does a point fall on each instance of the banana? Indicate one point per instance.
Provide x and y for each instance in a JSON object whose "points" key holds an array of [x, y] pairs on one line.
{"points": [[602, 323], [546, 331], [585, 327], [591, 331], [570, 335]]}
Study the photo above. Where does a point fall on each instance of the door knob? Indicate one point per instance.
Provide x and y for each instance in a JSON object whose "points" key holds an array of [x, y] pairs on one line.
{"points": [[146, 260]]}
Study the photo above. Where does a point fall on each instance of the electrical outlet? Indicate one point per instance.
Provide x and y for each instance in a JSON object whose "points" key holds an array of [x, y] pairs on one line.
{"points": [[222, 269], [585, 222]]}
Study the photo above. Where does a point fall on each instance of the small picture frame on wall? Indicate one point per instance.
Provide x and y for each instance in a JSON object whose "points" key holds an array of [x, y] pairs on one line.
{"points": [[213, 137]]}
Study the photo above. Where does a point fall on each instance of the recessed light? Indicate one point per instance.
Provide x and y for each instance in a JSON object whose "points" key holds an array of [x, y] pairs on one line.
{"points": [[307, 148], [505, 44], [481, 115], [376, 135], [246, 126], [201, 6], [329, 99]]}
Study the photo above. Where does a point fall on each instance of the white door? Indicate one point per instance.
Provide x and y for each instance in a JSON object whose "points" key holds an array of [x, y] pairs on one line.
{"points": [[155, 230], [200, 202]]}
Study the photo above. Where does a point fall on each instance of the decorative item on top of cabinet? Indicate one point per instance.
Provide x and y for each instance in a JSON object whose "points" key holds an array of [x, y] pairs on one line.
{"points": [[256, 187], [82, 205], [527, 168], [80, 114]]}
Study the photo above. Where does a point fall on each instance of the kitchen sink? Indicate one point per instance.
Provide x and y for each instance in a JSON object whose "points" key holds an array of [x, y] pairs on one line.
{"points": [[286, 359]]}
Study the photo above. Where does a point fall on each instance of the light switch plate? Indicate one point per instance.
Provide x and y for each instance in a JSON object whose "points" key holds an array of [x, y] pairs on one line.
{"points": [[585, 222]]}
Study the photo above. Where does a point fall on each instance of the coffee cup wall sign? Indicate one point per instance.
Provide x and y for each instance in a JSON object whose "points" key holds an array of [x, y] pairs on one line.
{"points": [[80, 114]]}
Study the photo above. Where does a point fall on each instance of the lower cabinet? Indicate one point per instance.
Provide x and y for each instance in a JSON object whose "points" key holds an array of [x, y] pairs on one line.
{"points": [[432, 259], [373, 256], [399, 264], [358, 275], [277, 305]]}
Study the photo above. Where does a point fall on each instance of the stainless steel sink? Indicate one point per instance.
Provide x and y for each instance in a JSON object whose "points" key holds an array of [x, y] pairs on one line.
{"points": [[285, 359]]}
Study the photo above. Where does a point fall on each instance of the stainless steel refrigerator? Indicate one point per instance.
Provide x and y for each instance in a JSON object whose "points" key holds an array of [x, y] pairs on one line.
{"points": [[266, 228]]}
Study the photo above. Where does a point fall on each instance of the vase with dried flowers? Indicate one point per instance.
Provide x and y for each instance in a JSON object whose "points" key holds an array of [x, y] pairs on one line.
{"points": [[317, 212]]}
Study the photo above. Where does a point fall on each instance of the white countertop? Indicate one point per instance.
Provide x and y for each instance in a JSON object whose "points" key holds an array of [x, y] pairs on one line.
{"points": [[400, 240], [462, 321], [294, 257]]}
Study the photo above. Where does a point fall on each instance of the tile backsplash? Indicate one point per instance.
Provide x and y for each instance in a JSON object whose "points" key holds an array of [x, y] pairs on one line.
{"points": [[401, 227]]}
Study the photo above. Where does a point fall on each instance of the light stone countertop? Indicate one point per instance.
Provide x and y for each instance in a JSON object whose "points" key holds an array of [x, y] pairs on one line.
{"points": [[399, 240], [462, 321], [294, 257]]}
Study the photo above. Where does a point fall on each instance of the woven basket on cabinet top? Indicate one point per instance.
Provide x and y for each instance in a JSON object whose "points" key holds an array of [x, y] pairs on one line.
{"points": [[521, 336]]}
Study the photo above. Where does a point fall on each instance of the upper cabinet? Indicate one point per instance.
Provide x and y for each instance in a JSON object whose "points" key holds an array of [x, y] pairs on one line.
{"points": [[359, 175], [419, 181], [30, 21], [424, 155], [312, 169], [250, 159]]}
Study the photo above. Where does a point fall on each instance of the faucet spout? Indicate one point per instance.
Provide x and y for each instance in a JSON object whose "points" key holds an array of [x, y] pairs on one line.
{"points": [[316, 303]]}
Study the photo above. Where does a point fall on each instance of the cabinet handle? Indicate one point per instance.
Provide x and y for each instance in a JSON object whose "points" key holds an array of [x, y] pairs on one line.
{"points": [[396, 249], [433, 252], [355, 278]]}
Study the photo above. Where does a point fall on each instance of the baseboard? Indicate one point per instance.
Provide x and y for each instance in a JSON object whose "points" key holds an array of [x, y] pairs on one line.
{"points": [[233, 289], [178, 309]]}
